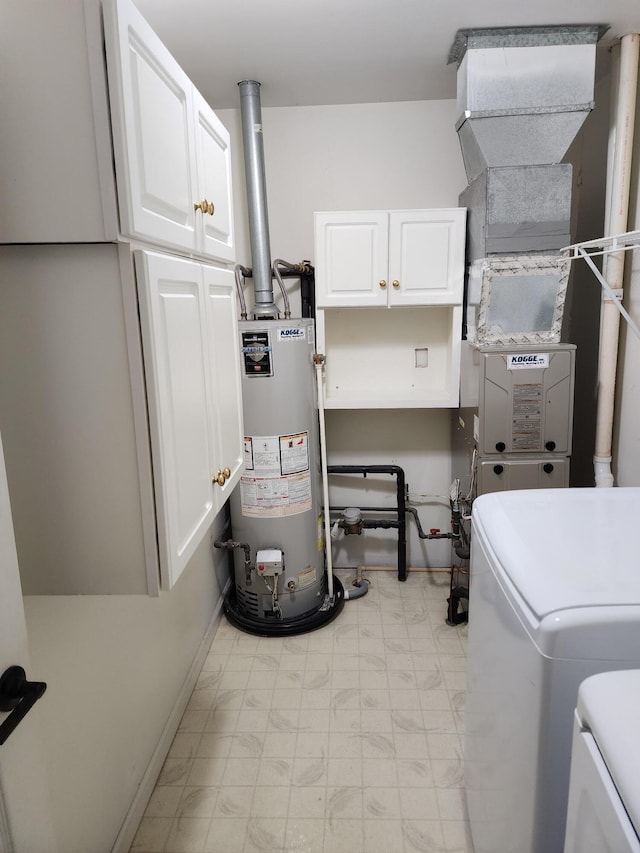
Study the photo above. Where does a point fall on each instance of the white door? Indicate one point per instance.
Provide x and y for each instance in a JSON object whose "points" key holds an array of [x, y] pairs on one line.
{"points": [[226, 391], [214, 218], [426, 256], [151, 114], [172, 314], [25, 820], [351, 259]]}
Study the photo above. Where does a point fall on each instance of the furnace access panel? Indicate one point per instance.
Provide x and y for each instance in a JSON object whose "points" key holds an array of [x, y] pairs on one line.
{"points": [[524, 398]]}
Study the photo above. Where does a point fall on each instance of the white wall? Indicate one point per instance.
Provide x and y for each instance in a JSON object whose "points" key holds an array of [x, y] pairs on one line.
{"points": [[362, 157], [347, 157], [119, 670]]}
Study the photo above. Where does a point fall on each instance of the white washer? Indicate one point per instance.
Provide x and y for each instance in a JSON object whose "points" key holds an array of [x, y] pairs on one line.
{"points": [[554, 598], [604, 797]]}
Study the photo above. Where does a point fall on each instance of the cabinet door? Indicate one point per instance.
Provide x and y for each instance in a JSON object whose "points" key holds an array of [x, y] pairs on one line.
{"points": [[176, 366], [426, 256], [351, 258], [152, 131], [215, 228], [226, 392]]}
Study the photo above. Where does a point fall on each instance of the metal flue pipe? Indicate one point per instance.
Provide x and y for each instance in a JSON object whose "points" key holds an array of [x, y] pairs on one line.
{"points": [[257, 198]]}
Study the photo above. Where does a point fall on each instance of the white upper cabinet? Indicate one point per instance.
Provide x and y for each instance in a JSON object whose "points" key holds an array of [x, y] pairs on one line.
{"points": [[67, 118], [213, 161], [389, 258], [171, 151], [192, 367], [426, 256], [224, 376], [352, 258], [411, 262]]}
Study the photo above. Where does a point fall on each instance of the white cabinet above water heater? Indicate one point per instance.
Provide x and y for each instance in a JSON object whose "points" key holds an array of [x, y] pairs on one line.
{"points": [[389, 258], [410, 262]]}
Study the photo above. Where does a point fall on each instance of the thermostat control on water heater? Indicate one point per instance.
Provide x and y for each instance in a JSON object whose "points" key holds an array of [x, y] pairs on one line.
{"points": [[270, 562]]}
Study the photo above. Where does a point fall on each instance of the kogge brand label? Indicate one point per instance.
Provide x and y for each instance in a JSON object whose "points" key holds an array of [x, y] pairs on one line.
{"points": [[527, 360], [291, 334]]}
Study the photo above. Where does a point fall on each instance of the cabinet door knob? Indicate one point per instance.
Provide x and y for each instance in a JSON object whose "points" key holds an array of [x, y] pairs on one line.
{"points": [[219, 478], [211, 208], [226, 472], [383, 283], [396, 283], [204, 205]]}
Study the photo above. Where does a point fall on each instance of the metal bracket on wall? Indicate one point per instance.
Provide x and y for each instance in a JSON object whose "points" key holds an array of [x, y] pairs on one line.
{"points": [[597, 248]]}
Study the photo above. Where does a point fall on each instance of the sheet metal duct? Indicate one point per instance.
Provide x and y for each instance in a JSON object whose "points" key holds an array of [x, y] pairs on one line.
{"points": [[523, 93], [505, 216]]}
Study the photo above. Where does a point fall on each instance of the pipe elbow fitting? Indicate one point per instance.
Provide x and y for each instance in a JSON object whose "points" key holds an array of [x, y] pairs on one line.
{"points": [[357, 591]]}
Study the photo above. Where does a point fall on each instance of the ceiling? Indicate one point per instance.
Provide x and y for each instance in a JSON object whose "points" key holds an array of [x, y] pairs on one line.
{"points": [[307, 52]]}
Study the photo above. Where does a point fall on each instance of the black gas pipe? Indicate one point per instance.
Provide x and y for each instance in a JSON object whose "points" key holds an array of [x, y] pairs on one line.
{"points": [[400, 510]]}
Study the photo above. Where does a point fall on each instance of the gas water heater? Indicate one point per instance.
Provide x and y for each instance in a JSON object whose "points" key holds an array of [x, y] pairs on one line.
{"points": [[280, 585], [280, 581]]}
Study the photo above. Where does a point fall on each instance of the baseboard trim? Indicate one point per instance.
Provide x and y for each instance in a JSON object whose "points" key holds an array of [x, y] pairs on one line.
{"points": [[136, 811]]}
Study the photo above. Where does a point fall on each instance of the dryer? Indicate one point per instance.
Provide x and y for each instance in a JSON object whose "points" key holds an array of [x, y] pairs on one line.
{"points": [[604, 797], [554, 598]]}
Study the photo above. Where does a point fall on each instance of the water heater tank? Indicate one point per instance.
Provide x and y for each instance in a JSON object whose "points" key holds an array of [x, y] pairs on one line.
{"points": [[276, 508]]}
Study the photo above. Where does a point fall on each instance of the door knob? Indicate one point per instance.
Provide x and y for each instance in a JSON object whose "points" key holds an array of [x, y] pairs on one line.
{"points": [[205, 206], [18, 696], [396, 283], [383, 283]]}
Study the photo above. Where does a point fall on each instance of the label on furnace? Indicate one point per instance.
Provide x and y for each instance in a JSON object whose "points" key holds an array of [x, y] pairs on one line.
{"points": [[527, 416], [528, 361]]}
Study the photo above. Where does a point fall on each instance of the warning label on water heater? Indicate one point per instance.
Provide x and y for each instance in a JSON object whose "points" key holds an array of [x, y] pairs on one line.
{"points": [[277, 480]]}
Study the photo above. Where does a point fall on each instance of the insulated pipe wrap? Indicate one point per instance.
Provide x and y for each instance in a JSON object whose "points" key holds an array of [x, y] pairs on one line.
{"points": [[256, 196]]}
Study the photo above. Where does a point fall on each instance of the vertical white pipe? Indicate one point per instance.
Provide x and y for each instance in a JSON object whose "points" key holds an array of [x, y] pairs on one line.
{"points": [[614, 262], [319, 362]]}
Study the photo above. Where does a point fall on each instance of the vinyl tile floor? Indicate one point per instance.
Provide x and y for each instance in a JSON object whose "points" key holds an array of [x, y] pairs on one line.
{"points": [[343, 740]]}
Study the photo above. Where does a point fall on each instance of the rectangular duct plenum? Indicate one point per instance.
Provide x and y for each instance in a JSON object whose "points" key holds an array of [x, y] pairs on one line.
{"points": [[523, 95], [518, 209]]}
